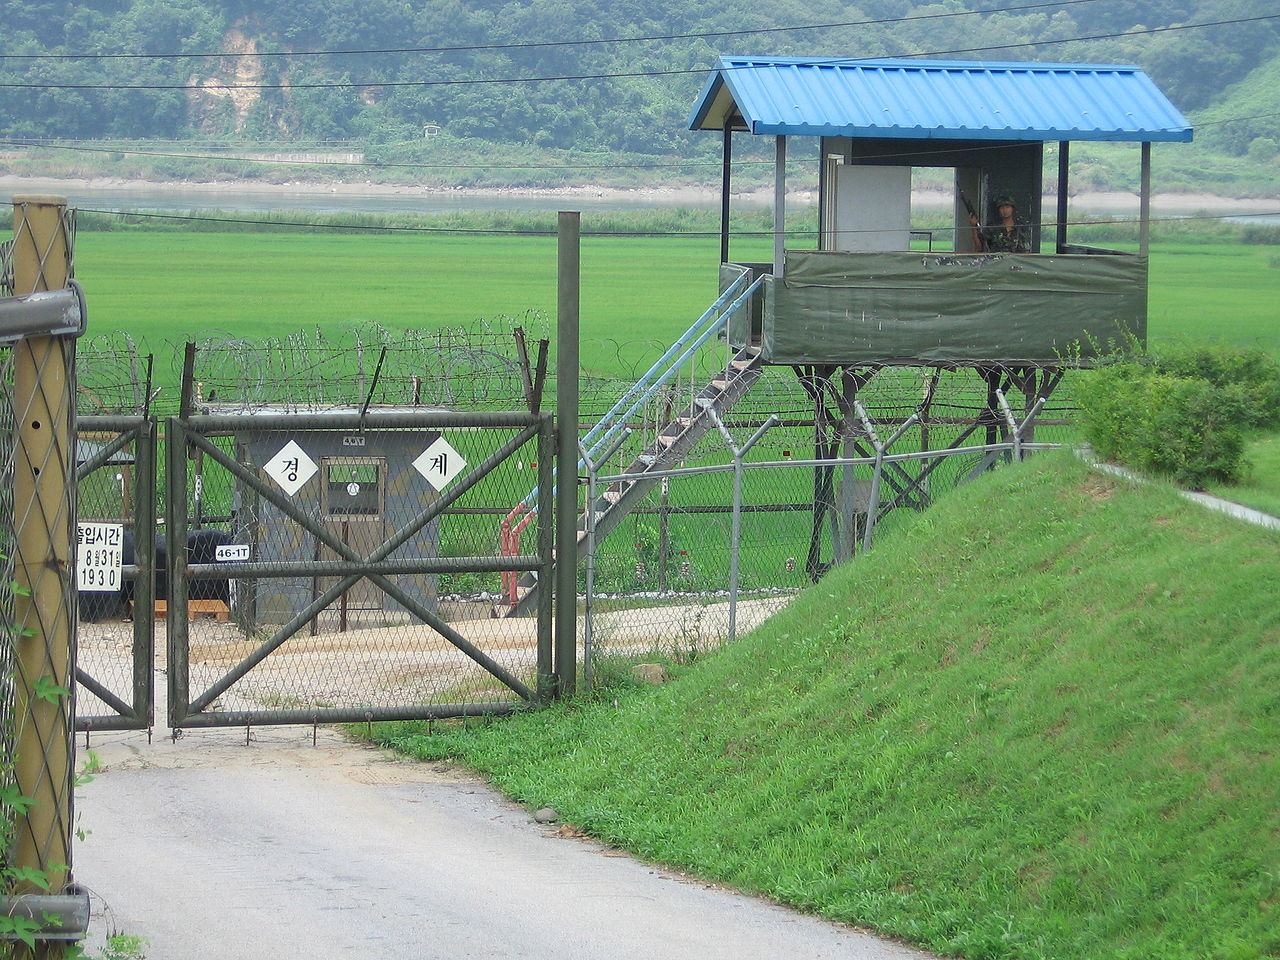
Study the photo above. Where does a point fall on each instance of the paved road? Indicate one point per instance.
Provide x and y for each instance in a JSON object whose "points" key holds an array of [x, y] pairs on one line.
{"points": [[217, 850]]}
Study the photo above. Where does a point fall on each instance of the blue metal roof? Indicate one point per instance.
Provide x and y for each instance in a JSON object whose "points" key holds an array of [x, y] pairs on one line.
{"points": [[933, 99]]}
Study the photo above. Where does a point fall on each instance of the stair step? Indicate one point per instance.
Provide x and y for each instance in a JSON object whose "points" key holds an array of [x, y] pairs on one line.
{"points": [[719, 384], [613, 496], [740, 364], [705, 403], [667, 441]]}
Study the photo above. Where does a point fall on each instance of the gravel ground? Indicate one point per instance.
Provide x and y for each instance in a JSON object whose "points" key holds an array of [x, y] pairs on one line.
{"points": [[399, 663]]}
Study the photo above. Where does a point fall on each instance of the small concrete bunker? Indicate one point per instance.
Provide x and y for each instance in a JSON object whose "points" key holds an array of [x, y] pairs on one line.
{"points": [[363, 488]]}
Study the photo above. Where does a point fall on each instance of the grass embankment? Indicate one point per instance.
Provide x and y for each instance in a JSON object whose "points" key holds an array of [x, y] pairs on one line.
{"points": [[1040, 722]]}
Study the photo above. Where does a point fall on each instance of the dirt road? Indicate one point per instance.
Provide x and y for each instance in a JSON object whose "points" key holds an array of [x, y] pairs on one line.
{"points": [[214, 849]]}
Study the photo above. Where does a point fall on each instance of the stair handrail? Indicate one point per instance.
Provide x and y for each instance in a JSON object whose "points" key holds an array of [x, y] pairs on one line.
{"points": [[691, 347], [712, 321]]}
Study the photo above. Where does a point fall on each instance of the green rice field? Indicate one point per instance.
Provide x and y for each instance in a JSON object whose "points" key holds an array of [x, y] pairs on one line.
{"points": [[171, 287], [168, 288]]}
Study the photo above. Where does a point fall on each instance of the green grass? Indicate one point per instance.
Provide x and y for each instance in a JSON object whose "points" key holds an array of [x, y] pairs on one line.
{"points": [[1039, 722], [1211, 291], [1261, 489]]}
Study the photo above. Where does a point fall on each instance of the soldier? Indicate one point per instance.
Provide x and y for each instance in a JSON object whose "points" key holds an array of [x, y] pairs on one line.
{"points": [[1010, 235]]}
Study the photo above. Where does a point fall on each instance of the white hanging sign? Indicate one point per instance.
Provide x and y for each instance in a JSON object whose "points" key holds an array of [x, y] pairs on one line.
{"points": [[291, 468], [225, 552], [99, 556]]}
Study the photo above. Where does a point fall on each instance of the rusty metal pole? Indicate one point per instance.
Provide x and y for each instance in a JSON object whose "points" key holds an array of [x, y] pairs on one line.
{"points": [[44, 514]]}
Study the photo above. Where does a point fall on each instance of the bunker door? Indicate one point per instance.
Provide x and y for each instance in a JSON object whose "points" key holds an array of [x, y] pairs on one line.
{"points": [[353, 505]]}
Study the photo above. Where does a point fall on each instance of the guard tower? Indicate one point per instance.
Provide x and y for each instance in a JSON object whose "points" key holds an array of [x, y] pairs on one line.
{"points": [[864, 301], [861, 298]]}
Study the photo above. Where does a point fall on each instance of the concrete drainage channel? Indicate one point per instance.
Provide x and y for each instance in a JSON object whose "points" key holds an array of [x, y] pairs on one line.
{"points": [[213, 849]]}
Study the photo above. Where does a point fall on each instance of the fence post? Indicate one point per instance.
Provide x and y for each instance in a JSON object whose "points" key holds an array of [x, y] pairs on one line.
{"points": [[1012, 423], [735, 535], [44, 512], [588, 624], [588, 605], [873, 504], [566, 577]]}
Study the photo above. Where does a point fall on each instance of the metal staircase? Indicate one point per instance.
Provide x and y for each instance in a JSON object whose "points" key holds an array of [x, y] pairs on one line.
{"points": [[672, 444]]}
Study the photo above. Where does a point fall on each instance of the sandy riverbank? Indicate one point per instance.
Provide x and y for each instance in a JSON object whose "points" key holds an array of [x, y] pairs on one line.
{"points": [[663, 195]]}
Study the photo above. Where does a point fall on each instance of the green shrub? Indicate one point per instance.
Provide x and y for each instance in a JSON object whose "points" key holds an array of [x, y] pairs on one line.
{"points": [[1183, 427], [1197, 433], [1264, 234], [1249, 375], [1262, 149], [1113, 400]]}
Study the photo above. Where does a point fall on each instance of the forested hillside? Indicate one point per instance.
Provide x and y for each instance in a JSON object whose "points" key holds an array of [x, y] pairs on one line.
{"points": [[467, 64]]}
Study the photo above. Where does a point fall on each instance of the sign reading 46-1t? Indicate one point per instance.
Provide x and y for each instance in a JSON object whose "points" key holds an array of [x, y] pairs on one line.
{"points": [[99, 556]]}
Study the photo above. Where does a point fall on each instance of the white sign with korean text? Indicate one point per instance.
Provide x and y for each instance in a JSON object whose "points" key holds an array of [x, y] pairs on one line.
{"points": [[99, 556], [291, 468], [439, 463]]}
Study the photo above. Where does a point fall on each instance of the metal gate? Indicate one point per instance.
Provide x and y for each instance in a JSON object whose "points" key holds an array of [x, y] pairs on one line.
{"points": [[340, 566], [116, 484]]}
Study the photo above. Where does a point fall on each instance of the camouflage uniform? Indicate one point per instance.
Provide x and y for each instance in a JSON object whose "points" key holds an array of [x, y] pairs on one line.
{"points": [[1017, 239]]}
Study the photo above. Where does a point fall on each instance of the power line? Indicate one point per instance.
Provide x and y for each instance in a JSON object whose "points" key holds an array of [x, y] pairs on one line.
{"points": [[1104, 36], [462, 48], [1256, 116], [635, 74]]}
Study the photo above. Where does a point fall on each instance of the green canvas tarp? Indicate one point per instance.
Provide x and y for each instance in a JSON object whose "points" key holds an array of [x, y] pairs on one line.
{"points": [[949, 308]]}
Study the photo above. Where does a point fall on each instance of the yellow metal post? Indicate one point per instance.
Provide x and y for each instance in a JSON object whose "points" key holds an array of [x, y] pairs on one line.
{"points": [[44, 514]]}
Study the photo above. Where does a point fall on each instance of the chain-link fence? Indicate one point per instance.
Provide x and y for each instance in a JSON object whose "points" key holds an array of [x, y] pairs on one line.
{"points": [[768, 502], [7, 447], [704, 553], [336, 565], [267, 628]]}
